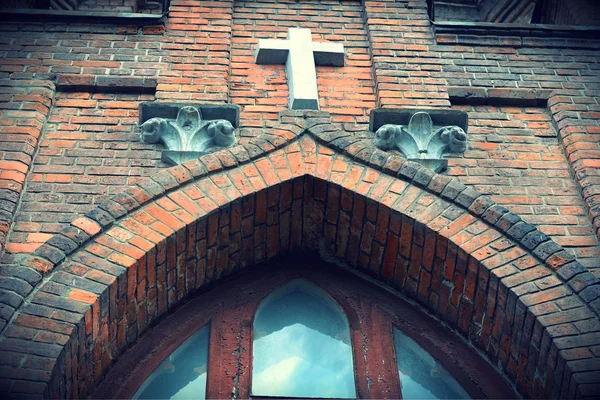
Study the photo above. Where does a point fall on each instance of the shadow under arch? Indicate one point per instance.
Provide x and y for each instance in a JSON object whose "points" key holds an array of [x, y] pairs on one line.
{"points": [[463, 269]]}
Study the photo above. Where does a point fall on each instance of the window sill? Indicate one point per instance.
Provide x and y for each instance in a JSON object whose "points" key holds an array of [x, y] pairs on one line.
{"points": [[487, 34], [522, 30]]}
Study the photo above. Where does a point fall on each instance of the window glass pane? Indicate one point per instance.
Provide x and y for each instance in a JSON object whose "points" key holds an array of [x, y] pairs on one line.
{"points": [[183, 374], [421, 376], [302, 345]]}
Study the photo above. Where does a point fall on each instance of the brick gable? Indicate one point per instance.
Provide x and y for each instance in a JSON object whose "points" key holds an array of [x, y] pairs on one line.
{"points": [[100, 238], [308, 187]]}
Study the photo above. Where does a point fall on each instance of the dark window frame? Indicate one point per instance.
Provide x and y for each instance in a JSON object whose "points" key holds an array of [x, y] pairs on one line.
{"points": [[101, 17], [535, 19], [533, 29]]}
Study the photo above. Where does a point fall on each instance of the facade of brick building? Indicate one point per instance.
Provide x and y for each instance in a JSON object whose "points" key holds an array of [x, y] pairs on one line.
{"points": [[100, 238]]}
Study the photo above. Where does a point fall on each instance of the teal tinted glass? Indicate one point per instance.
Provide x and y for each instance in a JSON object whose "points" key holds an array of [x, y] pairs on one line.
{"points": [[421, 376], [302, 345], [183, 374]]}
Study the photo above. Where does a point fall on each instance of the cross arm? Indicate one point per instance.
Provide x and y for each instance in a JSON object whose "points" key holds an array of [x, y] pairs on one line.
{"points": [[271, 51], [328, 54]]}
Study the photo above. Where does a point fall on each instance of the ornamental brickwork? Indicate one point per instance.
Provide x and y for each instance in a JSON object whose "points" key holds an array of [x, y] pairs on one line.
{"points": [[100, 238]]}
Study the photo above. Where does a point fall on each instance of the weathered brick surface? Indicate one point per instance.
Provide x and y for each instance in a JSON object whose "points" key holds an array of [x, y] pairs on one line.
{"points": [[482, 251], [89, 151], [515, 157], [298, 191]]}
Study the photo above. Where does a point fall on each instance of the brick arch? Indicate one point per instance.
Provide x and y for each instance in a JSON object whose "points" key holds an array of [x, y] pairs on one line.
{"points": [[308, 184]]}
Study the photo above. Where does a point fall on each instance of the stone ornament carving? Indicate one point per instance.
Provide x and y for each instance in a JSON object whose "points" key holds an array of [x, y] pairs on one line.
{"points": [[188, 136], [422, 141]]}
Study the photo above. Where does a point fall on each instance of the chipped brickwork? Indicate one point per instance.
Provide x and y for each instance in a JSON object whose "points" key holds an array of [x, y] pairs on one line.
{"points": [[491, 250]]}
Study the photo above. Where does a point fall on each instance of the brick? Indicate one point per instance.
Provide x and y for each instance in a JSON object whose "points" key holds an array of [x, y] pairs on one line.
{"points": [[567, 271], [581, 281], [83, 296], [545, 295], [77, 82]]}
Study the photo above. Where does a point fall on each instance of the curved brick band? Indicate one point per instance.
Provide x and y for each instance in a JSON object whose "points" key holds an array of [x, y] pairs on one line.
{"points": [[577, 126], [24, 108], [307, 183]]}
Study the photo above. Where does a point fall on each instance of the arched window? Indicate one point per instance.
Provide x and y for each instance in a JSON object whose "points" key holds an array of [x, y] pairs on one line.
{"points": [[182, 375], [272, 333], [421, 376], [302, 345]]}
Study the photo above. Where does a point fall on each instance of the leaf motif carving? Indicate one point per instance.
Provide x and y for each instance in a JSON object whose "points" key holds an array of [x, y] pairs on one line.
{"points": [[189, 119], [188, 136], [420, 127], [421, 141]]}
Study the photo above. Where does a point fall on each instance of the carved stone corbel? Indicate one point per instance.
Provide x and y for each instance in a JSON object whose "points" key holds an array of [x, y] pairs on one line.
{"points": [[188, 131], [424, 136]]}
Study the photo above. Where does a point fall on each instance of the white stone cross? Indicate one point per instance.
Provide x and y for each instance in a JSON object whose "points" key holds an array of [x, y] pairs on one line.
{"points": [[300, 54]]}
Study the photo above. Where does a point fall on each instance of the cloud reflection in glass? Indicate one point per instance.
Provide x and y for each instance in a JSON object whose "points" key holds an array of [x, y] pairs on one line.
{"points": [[421, 376], [182, 375], [302, 345]]}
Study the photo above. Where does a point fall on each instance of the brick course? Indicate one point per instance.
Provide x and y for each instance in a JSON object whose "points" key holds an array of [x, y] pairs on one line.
{"points": [[502, 253]]}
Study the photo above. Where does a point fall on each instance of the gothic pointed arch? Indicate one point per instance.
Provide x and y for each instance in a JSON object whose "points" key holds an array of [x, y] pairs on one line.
{"points": [[305, 184]]}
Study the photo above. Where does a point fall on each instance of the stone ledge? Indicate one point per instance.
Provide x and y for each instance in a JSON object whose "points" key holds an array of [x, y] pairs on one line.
{"points": [[62, 16], [210, 111], [402, 116], [478, 38], [519, 30], [470, 95], [105, 84]]}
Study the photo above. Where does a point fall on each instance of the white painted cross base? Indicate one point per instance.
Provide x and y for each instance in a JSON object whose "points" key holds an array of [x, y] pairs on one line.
{"points": [[300, 54]]}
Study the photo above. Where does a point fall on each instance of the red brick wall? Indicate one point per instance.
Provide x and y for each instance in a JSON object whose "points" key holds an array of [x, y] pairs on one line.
{"points": [[346, 92], [406, 70], [89, 151], [515, 157], [541, 306]]}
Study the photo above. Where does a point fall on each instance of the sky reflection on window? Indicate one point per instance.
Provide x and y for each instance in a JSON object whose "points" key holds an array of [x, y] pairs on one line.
{"points": [[302, 345], [421, 376], [183, 374]]}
